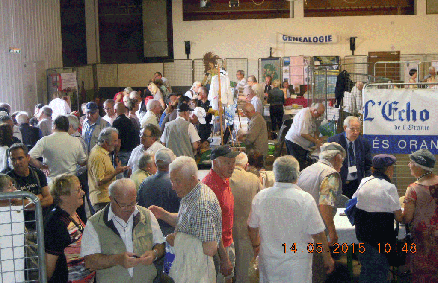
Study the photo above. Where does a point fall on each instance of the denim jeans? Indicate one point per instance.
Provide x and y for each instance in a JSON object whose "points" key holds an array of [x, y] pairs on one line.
{"points": [[374, 265]]}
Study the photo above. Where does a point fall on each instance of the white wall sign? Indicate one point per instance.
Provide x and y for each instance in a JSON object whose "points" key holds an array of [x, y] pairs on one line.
{"points": [[401, 121], [314, 39], [69, 81]]}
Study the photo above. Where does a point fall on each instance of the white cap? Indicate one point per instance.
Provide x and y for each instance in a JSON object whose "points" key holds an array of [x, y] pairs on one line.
{"points": [[200, 113]]}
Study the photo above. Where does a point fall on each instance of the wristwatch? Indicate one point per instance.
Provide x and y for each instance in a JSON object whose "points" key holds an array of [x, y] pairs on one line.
{"points": [[156, 254]]}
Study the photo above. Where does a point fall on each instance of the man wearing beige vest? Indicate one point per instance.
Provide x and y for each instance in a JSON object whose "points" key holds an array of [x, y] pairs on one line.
{"points": [[122, 241]]}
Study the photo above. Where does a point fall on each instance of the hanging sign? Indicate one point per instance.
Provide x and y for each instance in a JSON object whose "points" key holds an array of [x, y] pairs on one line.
{"points": [[314, 39], [400, 121]]}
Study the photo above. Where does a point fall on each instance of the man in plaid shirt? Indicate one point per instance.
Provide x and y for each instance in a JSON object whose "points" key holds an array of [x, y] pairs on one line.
{"points": [[199, 214]]}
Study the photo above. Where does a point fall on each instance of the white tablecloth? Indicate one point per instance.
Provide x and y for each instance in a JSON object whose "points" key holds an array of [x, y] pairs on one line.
{"points": [[345, 230]]}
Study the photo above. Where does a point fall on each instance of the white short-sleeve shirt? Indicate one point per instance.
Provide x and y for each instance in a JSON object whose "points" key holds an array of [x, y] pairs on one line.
{"points": [[303, 124], [286, 214]]}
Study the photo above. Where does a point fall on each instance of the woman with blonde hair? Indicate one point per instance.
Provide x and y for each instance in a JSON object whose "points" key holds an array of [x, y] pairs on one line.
{"points": [[63, 233], [421, 212], [156, 93]]}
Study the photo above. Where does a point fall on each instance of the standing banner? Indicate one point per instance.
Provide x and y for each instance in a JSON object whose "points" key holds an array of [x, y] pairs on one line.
{"points": [[401, 121]]}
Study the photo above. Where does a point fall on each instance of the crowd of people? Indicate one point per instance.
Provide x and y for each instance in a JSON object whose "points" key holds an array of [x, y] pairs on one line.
{"points": [[119, 190]]}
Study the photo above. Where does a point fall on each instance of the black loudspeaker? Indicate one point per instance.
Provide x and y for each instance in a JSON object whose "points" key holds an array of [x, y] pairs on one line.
{"points": [[352, 44], [187, 48]]}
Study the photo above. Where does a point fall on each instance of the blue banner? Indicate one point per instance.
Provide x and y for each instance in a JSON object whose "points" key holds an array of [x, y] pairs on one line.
{"points": [[402, 144]]}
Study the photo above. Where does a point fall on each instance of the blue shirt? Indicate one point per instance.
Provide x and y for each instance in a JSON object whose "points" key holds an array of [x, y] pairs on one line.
{"points": [[157, 190]]}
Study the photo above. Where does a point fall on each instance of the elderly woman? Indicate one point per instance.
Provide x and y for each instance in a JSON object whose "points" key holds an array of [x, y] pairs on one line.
{"points": [[276, 102], [421, 211], [377, 206], [63, 233]]}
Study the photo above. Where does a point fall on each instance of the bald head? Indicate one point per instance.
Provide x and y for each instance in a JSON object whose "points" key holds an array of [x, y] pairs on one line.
{"points": [[249, 110], [120, 108]]}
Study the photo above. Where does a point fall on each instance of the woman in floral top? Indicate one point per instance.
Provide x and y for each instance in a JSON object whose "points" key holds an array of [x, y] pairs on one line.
{"points": [[421, 212]]}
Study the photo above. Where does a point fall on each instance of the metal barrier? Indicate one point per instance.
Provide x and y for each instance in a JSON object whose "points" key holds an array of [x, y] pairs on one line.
{"points": [[21, 259]]}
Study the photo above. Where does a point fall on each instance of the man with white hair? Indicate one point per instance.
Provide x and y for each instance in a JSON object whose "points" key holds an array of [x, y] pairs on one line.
{"points": [[180, 135], [252, 98], [271, 209], [198, 224], [432, 76], [192, 93], [258, 88], [323, 182], [303, 134], [45, 121], [357, 164], [146, 168], [108, 106], [157, 189], [256, 138], [122, 241], [153, 113], [30, 135], [101, 171], [244, 186]]}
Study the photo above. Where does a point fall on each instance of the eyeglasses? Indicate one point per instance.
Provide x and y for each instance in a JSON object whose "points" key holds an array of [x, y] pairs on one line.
{"points": [[355, 129], [127, 206]]}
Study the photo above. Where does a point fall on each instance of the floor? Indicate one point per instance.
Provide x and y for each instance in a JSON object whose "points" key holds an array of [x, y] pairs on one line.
{"points": [[341, 274]]}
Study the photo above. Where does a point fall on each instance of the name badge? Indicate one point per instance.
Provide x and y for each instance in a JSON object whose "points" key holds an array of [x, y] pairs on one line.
{"points": [[352, 169]]}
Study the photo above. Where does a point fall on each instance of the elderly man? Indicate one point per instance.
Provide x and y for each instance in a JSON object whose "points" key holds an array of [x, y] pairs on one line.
{"points": [[157, 189], [180, 135], [286, 203], [256, 138], [323, 182], [195, 245], [93, 125], [432, 76], [152, 116], [357, 164], [353, 101], [244, 186], [303, 134], [100, 168], [192, 93], [45, 121], [223, 162], [127, 133], [149, 141], [146, 168], [108, 106], [122, 241], [61, 152], [252, 98], [258, 88], [30, 135]]}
